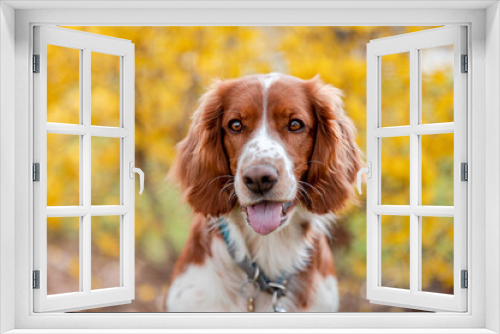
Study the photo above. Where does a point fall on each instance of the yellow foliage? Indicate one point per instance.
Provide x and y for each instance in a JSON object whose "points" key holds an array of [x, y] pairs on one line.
{"points": [[146, 293], [74, 267], [106, 235], [174, 65]]}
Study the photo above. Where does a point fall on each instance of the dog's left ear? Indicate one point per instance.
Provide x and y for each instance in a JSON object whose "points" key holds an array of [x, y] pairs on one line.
{"points": [[336, 159], [201, 166]]}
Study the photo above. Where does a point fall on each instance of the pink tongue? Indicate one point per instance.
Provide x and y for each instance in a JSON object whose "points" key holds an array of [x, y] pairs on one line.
{"points": [[264, 217]]}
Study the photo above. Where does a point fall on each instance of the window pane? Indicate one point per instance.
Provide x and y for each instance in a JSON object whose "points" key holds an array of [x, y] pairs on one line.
{"points": [[105, 95], [63, 255], [437, 169], [105, 171], [395, 86], [63, 85], [437, 84], [105, 237], [63, 169], [395, 171], [437, 254], [395, 248]]}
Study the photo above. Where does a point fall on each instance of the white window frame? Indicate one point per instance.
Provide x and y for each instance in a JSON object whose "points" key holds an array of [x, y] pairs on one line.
{"points": [[16, 125], [86, 44], [412, 44]]}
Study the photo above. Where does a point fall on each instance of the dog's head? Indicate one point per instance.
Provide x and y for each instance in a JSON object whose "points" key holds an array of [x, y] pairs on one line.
{"points": [[263, 144]]}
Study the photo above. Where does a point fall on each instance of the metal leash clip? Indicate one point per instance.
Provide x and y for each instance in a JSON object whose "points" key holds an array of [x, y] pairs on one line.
{"points": [[277, 307], [250, 290]]}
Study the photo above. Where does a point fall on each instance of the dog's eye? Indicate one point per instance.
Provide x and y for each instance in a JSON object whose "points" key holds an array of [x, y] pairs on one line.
{"points": [[295, 125], [235, 125]]}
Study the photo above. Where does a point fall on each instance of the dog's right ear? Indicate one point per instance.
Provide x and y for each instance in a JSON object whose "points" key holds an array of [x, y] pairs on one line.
{"points": [[201, 166], [335, 148]]}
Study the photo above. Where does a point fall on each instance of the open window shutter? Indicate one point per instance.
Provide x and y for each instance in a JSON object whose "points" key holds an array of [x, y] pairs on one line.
{"points": [[415, 131], [86, 212]]}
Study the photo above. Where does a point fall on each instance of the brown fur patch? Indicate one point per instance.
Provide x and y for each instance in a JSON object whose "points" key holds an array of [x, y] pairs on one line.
{"points": [[243, 103], [198, 246], [287, 101], [201, 165], [320, 267], [335, 150]]}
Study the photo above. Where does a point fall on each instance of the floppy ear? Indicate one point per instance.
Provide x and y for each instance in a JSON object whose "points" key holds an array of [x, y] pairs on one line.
{"points": [[336, 157], [201, 165]]}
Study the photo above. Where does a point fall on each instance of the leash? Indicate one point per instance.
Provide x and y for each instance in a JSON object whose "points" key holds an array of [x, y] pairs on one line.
{"points": [[256, 280]]}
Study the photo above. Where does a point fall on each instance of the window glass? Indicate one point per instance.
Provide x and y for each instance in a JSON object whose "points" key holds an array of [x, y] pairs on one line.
{"points": [[105, 171], [105, 90], [437, 169], [63, 254], [395, 171], [395, 89], [437, 254], [63, 85], [63, 169], [437, 84], [395, 249], [105, 252]]}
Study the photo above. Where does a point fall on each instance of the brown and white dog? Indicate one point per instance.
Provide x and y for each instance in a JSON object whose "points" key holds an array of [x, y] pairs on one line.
{"points": [[275, 157]]}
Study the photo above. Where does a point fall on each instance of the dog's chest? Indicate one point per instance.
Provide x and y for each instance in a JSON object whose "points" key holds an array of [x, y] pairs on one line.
{"points": [[215, 286]]}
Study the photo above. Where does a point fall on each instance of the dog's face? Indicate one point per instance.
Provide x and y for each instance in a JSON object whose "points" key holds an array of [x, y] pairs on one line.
{"points": [[268, 138], [262, 144]]}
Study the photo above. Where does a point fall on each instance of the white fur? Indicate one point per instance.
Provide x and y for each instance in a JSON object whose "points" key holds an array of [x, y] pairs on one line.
{"points": [[264, 147], [283, 251], [211, 287], [214, 285], [326, 296]]}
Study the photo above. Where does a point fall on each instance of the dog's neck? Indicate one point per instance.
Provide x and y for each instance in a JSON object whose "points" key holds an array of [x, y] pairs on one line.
{"points": [[283, 252]]}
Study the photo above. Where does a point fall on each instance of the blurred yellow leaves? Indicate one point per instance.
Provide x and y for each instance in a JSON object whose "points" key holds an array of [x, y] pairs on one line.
{"points": [[395, 89], [437, 169], [146, 293], [395, 251], [395, 171], [63, 169], [174, 66], [63, 85], [106, 235], [437, 84], [105, 171], [437, 254], [105, 261], [63, 258], [74, 267], [105, 89], [108, 244]]}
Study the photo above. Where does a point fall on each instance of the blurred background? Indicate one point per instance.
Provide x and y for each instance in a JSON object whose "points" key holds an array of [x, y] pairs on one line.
{"points": [[173, 68]]}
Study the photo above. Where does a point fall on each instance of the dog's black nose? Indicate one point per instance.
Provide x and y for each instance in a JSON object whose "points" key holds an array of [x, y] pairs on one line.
{"points": [[260, 178]]}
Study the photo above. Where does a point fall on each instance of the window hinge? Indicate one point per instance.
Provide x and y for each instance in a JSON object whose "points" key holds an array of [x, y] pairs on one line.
{"points": [[36, 63], [464, 173], [465, 64], [36, 172], [465, 279], [36, 279]]}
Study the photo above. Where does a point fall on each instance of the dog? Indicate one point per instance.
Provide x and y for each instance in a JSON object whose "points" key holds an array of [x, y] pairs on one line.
{"points": [[267, 162]]}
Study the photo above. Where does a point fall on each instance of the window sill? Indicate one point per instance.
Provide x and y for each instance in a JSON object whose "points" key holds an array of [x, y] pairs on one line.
{"points": [[253, 331]]}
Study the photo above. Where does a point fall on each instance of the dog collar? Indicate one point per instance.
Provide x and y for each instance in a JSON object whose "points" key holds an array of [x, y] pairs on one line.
{"points": [[255, 275]]}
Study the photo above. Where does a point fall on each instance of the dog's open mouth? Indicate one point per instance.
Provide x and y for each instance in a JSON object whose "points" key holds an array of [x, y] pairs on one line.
{"points": [[266, 216]]}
